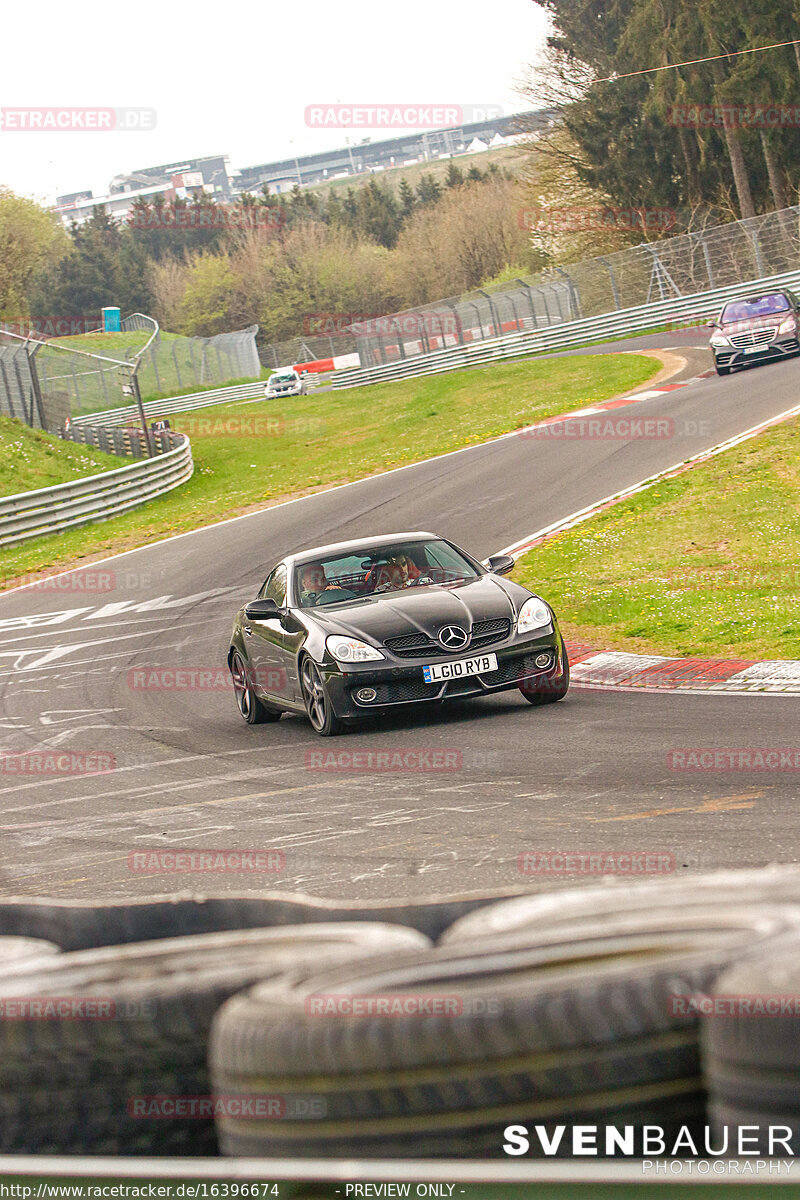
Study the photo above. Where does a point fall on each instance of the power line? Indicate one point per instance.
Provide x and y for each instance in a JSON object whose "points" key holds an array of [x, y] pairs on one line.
{"points": [[694, 61]]}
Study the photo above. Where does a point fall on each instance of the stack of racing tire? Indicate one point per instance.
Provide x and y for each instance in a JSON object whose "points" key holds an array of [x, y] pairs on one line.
{"points": [[283, 1027]]}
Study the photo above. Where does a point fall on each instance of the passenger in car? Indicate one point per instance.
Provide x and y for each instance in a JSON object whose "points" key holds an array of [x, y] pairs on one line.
{"points": [[312, 581]]}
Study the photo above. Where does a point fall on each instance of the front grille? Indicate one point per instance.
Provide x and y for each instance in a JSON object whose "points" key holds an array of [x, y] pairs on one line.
{"points": [[412, 645], [419, 645], [486, 633], [752, 337]]}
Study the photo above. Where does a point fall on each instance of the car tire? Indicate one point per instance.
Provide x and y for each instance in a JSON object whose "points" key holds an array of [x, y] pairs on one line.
{"points": [[253, 710], [563, 902], [571, 1023], [317, 701], [75, 925], [21, 951], [752, 1061], [107, 1081], [550, 693]]}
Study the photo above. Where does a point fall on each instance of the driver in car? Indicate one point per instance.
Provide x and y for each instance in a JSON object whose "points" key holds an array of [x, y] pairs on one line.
{"points": [[398, 572]]}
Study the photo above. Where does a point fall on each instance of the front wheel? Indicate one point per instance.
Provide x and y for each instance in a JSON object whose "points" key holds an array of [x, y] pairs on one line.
{"points": [[550, 693], [318, 703], [251, 708]]}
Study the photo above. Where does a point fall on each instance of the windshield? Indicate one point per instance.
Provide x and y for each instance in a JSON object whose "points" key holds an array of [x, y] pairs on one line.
{"points": [[761, 306], [284, 377], [376, 571]]}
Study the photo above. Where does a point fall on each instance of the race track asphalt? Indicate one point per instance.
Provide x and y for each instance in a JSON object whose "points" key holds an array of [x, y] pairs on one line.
{"points": [[591, 773]]}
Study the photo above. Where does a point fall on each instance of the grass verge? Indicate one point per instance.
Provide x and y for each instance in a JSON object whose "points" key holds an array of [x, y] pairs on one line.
{"points": [[250, 454], [30, 459], [706, 563]]}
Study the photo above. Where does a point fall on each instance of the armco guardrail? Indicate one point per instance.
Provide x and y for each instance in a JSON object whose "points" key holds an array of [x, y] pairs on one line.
{"points": [[700, 305], [67, 505], [162, 408], [174, 404]]}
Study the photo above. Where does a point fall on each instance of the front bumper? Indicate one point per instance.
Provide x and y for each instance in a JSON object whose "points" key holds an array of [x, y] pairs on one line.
{"points": [[730, 356], [399, 683]]}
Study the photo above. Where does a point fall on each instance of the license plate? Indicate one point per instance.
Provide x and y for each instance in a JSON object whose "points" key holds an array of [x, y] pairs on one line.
{"points": [[756, 349], [460, 669]]}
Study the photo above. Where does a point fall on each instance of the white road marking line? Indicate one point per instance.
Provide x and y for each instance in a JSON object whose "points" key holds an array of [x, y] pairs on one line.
{"points": [[516, 549], [285, 503]]}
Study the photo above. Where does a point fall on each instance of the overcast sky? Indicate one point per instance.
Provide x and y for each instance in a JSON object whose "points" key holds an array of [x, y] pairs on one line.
{"points": [[235, 78]]}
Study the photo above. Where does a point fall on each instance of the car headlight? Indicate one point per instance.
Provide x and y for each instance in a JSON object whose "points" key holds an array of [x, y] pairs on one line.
{"points": [[347, 650], [533, 615], [719, 339], [788, 325]]}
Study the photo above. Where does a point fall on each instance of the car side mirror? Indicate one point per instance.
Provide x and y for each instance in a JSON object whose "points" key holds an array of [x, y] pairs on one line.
{"points": [[262, 610], [500, 564], [711, 324]]}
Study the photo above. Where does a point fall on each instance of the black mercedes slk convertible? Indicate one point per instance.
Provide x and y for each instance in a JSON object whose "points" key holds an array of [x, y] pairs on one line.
{"points": [[347, 631]]}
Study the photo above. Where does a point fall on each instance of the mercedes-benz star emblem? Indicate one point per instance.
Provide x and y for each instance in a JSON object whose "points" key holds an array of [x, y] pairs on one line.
{"points": [[453, 637]]}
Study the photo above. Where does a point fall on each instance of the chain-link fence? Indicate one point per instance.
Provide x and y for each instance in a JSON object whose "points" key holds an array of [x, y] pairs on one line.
{"points": [[693, 262], [18, 396], [170, 364], [310, 348], [73, 382]]}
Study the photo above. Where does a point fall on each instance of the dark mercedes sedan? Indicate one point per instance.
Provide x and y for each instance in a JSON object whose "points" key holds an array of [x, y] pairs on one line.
{"points": [[756, 329], [349, 630]]}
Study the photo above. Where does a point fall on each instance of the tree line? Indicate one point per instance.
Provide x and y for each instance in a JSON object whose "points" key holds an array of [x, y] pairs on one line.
{"points": [[277, 261], [718, 137]]}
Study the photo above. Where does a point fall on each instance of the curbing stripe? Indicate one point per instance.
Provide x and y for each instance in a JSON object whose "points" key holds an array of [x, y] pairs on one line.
{"points": [[605, 670]]}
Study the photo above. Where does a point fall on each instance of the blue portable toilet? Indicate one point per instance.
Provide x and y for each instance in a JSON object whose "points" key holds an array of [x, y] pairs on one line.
{"points": [[111, 320]]}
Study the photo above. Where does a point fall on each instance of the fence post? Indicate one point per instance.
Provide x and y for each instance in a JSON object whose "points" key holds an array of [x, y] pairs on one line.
{"points": [[707, 258], [155, 367], [573, 291], [37, 391], [495, 322], [529, 294], [177, 368], [753, 236], [612, 276]]}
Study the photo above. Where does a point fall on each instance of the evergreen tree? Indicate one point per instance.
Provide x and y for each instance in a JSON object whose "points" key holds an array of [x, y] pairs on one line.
{"points": [[429, 189]]}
